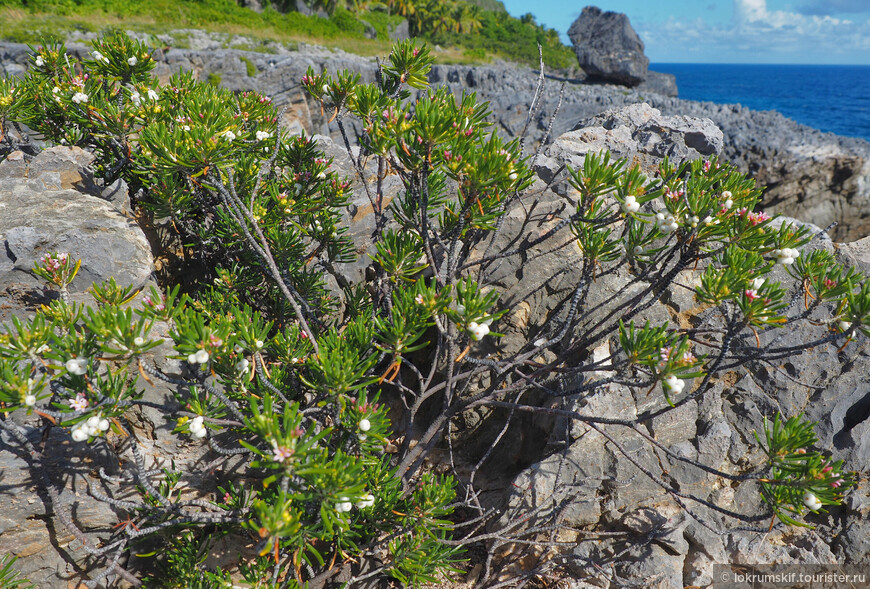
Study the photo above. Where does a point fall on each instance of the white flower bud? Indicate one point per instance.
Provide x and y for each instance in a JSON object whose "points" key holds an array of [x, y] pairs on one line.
{"points": [[242, 365], [477, 330], [133, 61], [230, 136], [39, 61], [365, 425], [811, 501], [93, 421], [366, 501], [630, 205], [79, 97], [674, 384], [844, 325], [30, 400], [103, 425], [77, 366], [79, 434], [152, 95], [728, 204], [757, 283]]}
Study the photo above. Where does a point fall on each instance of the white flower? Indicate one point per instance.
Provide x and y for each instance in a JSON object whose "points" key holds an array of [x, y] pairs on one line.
{"points": [[152, 95], [321, 176], [757, 283], [197, 428], [786, 256], [77, 366], [366, 501], [39, 61], [630, 205], [726, 194], [242, 365], [258, 344], [844, 325], [364, 425], [812, 501], [477, 330], [133, 61], [100, 57], [263, 135], [674, 384], [230, 136], [666, 222], [136, 98], [708, 220], [638, 250], [43, 349], [139, 341], [30, 400], [343, 505], [694, 221], [325, 88], [513, 176], [728, 204], [201, 357], [79, 97], [55, 90], [79, 434]]}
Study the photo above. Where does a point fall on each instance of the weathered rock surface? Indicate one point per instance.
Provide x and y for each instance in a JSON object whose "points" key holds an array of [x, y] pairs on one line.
{"points": [[588, 481], [52, 204], [818, 177], [638, 133], [608, 48], [808, 168]]}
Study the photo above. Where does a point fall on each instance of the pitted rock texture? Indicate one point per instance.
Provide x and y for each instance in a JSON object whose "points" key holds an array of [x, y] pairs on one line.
{"points": [[52, 204]]}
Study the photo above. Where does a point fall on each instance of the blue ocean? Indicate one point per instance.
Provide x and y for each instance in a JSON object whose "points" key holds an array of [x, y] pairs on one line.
{"points": [[833, 98]]}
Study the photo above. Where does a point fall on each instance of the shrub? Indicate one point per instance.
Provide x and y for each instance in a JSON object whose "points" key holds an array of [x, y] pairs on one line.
{"points": [[295, 378]]}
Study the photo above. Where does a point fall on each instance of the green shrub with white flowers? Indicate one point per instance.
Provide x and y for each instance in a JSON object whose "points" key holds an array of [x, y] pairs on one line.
{"points": [[299, 380]]}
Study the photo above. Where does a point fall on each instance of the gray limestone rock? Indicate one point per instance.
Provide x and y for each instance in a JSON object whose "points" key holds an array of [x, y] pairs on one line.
{"points": [[608, 48]]}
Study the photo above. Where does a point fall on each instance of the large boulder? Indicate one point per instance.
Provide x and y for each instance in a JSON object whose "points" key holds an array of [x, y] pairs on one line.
{"points": [[53, 204], [608, 48]]}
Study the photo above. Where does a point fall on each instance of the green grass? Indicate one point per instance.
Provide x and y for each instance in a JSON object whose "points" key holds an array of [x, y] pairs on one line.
{"points": [[250, 68], [29, 21]]}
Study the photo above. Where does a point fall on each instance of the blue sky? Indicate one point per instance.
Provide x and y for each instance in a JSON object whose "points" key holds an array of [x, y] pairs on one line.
{"points": [[730, 31]]}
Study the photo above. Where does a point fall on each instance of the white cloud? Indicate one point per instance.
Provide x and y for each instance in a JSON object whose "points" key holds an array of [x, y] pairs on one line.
{"points": [[757, 34]]}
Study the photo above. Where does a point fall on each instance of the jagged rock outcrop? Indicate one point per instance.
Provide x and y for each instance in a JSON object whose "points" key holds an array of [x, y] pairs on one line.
{"points": [[608, 48], [638, 133], [589, 484]]}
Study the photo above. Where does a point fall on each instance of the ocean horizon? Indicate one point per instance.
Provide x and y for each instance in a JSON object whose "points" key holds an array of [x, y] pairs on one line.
{"points": [[831, 98]]}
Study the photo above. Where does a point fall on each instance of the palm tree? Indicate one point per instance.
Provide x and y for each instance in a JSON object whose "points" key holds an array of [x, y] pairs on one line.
{"points": [[470, 22]]}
